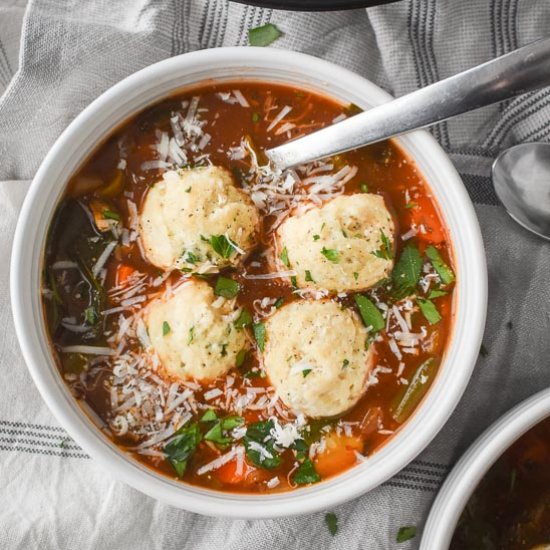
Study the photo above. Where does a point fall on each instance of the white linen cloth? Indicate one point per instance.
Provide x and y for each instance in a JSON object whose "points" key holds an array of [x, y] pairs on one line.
{"points": [[52, 496]]}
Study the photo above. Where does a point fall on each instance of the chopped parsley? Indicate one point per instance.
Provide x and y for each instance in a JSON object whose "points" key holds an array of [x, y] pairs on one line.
{"points": [[228, 288], [330, 254], [364, 188], [385, 251], [309, 278], [355, 275], [209, 416], [278, 303], [345, 363], [264, 35], [407, 270], [191, 335], [428, 309], [165, 328], [90, 316], [190, 257], [294, 282], [316, 237], [332, 523], [443, 270], [110, 215], [221, 245], [182, 446], [244, 319], [305, 372], [406, 533], [306, 473], [370, 314], [260, 445], [284, 257], [241, 358], [218, 433], [188, 190], [259, 334]]}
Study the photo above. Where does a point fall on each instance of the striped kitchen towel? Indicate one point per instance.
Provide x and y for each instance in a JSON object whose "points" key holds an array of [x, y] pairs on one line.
{"points": [[63, 53]]}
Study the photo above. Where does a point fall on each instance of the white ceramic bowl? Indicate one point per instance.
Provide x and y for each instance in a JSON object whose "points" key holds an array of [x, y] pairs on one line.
{"points": [[470, 469], [140, 90]]}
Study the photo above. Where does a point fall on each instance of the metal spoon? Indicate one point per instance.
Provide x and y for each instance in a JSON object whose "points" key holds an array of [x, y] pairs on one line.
{"points": [[521, 177], [520, 71]]}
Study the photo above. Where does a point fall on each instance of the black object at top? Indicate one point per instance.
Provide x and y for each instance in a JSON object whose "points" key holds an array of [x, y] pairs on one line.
{"points": [[315, 5]]}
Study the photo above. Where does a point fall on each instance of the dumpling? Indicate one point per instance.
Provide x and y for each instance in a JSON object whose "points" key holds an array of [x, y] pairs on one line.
{"points": [[345, 245], [193, 333], [316, 357], [197, 220]]}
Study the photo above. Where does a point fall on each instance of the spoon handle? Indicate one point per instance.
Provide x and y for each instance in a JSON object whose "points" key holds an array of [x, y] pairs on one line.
{"points": [[517, 72]]}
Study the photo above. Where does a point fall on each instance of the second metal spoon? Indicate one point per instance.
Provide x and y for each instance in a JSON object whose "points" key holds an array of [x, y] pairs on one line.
{"points": [[518, 72]]}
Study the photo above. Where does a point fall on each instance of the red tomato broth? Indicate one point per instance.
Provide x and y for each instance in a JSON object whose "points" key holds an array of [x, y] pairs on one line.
{"points": [[383, 167]]}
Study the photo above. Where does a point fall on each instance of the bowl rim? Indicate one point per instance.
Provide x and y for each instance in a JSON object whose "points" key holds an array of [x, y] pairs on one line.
{"points": [[470, 301], [475, 463]]}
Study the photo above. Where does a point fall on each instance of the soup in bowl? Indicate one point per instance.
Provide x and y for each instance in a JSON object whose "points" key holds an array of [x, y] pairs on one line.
{"points": [[231, 328]]}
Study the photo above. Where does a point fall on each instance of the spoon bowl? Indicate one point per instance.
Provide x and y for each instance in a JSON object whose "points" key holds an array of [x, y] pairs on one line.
{"points": [[521, 178]]}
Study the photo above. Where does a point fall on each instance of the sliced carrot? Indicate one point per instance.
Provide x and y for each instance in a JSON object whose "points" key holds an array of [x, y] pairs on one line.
{"points": [[228, 473], [339, 454], [123, 273]]}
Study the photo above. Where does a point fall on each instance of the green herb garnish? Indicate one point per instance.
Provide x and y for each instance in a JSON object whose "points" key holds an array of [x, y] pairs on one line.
{"points": [[228, 288], [284, 257], [110, 215], [191, 335], [385, 251], [436, 294], [355, 275], [443, 270], [255, 117], [309, 278], [345, 363], [182, 446], [222, 245], [330, 254], [306, 473], [278, 303], [244, 319], [259, 334], [241, 358], [305, 372], [407, 270], [90, 316], [259, 435], [428, 309], [332, 523], [364, 188], [316, 237], [406, 533], [370, 314], [264, 35], [218, 433], [165, 328], [209, 416]]}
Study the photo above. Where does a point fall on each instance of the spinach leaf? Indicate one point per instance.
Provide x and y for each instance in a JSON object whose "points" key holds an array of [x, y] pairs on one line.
{"points": [[264, 35], [306, 473], [182, 446], [259, 445]]}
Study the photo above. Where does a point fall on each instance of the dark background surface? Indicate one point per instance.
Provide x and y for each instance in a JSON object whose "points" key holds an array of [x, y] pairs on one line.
{"points": [[316, 5]]}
